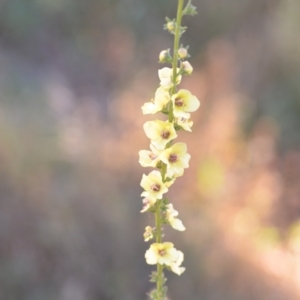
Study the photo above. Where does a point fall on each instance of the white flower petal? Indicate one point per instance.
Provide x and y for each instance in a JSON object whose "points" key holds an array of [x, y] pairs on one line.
{"points": [[177, 224], [149, 108], [151, 257]]}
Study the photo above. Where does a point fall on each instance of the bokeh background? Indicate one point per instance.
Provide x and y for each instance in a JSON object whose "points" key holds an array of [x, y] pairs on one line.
{"points": [[73, 77]]}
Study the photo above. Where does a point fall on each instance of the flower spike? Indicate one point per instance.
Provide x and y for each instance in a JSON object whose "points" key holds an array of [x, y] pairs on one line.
{"points": [[170, 159]]}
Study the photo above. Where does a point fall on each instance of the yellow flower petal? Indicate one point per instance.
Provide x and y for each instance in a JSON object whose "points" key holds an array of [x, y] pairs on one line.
{"points": [[148, 234], [161, 98], [175, 266], [177, 224], [149, 108], [184, 103], [165, 254], [171, 215], [162, 253], [176, 159], [148, 203], [149, 158], [160, 133], [185, 124], [165, 75], [153, 185]]}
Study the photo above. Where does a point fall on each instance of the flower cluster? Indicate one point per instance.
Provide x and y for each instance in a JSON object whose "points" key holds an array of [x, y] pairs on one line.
{"points": [[168, 158]]}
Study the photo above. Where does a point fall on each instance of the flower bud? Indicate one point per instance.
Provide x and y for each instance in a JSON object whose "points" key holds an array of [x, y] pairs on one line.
{"points": [[148, 234], [163, 56], [182, 53], [186, 67], [171, 26]]}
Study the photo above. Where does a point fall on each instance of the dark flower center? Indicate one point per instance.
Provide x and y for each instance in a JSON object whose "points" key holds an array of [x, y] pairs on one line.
{"points": [[179, 102], [162, 252], [165, 134], [152, 156], [173, 158], [155, 187]]}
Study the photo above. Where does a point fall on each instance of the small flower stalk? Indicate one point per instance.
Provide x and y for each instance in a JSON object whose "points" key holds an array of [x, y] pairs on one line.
{"points": [[168, 158]]}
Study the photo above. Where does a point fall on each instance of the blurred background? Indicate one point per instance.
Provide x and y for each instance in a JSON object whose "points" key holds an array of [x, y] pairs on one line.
{"points": [[73, 77]]}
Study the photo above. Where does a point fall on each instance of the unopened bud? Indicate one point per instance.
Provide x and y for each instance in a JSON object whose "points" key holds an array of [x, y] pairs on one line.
{"points": [[171, 26], [186, 67], [148, 234], [182, 53], [163, 55]]}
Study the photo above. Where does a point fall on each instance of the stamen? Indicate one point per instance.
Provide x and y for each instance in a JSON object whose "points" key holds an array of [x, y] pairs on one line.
{"points": [[179, 102], [173, 158], [152, 156], [165, 134], [155, 187]]}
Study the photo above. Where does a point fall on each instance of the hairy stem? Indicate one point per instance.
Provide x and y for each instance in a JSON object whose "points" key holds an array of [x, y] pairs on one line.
{"points": [[159, 282], [158, 225], [176, 43]]}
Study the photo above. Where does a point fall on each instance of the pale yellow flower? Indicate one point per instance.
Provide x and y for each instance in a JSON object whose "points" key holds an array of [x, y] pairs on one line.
{"points": [[148, 234], [162, 253], [184, 103], [162, 97], [165, 75], [176, 265], [185, 124], [187, 67], [148, 203], [160, 133], [153, 185], [165, 254], [149, 158], [176, 158], [171, 215]]}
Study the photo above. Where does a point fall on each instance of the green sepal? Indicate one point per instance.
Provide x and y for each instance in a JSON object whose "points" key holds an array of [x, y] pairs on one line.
{"points": [[168, 179], [151, 209], [159, 165], [177, 127], [182, 30], [168, 57], [173, 30], [185, 47], [189, 9], [164, 203], [153, 276], [155, 294]]}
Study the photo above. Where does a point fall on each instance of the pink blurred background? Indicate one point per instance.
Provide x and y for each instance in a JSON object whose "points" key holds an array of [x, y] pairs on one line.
{"points": [[73, 78]]}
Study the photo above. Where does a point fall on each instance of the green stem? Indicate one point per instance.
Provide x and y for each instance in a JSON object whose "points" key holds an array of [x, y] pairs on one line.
{"points": [[175, 56], [176, 44], [158, 221], [158, 225]]}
